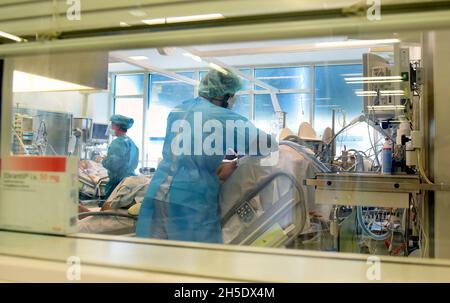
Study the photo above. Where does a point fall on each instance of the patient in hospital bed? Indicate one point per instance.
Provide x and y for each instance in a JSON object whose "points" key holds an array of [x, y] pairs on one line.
{"points": [[91, 175], [129, 192], [269, 205]]}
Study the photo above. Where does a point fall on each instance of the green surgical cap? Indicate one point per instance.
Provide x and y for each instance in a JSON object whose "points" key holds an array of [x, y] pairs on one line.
{"points": [[124, 122], [217, 84]]}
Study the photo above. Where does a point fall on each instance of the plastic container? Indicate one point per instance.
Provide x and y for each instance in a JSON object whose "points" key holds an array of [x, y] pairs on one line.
{"points": [[386, 166]]}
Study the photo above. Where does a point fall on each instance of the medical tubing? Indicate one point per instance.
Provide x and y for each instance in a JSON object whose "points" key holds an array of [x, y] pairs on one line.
{"points": [[421, 170], [308, 156], [360, 219], [105, 214]]}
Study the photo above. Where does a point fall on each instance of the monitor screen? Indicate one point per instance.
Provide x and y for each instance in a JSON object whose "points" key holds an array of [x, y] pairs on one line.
{"points": [[99, 132]]}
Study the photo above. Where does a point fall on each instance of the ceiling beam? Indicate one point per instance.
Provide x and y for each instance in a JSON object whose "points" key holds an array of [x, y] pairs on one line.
{"points": [[284, 49], [155, 69], [250, 78]]}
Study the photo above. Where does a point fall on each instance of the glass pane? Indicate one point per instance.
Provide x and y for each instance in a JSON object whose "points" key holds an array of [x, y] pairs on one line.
{"points": [[127, 85], [332, 92], [296, 107], [367, 86], [264, 113], [284, 77], [166, 93], [242, 105], [41, 132]]}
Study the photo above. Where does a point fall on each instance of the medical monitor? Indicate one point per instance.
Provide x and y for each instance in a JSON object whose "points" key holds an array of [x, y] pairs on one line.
{"points": [[99, 133]]}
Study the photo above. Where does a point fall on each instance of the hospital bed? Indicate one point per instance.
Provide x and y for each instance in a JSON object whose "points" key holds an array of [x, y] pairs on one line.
{"points": [[92, 178], [118, 220], [269, 205]]}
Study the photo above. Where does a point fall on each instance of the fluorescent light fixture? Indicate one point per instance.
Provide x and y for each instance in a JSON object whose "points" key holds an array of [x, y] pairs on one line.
{"points": [[24, 82], [382, 93], [193, 57], [356, 43], [138, 58], [154, 21], [11, 37], [352, 75], [194, 18], [392, 92], [183, 19], [373, 78], [377, 81], [370, 92], [137, 13], [218, 68]]}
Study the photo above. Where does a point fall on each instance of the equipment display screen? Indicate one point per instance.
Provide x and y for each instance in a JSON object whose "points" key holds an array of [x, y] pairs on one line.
{"points": [[99, 132]]}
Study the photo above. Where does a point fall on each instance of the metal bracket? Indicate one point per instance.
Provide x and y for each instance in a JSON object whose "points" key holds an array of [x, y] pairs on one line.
{"points": [[366, 182], [373, 183]]}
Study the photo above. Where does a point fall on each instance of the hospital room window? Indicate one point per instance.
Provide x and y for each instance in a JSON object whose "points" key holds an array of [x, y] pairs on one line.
{"points": [[292, 78], [165, 94], [129, 101], [333, 92], [293, 84], [129, 85], [297, 107]]}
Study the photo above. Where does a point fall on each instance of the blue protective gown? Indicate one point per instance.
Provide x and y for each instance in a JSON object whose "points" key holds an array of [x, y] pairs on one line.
{"points": [[121, 162], [182, 202]]}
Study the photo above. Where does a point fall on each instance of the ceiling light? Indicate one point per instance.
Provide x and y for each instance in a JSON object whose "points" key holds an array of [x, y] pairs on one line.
{"points": [[392, 92], [193, 57], [11, 37], [356, 43], [218, 68], [138, 58], [154, 21], [25, 82], [373, 78], [124, 24], [372, 82], [352, 75], [381, 92], [194, 18], [183, 19], [137, 13]]}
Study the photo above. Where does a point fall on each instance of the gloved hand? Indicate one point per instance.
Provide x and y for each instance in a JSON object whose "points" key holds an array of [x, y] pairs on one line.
{"points": [[134, 210], [225, 170]]}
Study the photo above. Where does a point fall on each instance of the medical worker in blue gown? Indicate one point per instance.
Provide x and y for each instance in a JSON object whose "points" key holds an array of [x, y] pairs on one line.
{"points": [[123, 155], [182, 202]]}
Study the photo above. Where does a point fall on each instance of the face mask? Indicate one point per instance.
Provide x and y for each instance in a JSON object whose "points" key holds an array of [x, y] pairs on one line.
{"points": [[110, 131], [231, 102]]}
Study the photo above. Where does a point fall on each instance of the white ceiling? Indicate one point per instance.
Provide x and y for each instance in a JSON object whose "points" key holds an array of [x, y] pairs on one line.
{"points": [[231, 54]]}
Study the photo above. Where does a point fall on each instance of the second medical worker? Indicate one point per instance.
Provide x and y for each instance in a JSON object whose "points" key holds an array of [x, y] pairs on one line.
{"points": [[123, 155]]}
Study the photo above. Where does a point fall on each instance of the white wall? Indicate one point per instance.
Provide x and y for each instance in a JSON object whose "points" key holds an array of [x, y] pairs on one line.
{"points": [[66, 102], [99, 107], [98, 104]]}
